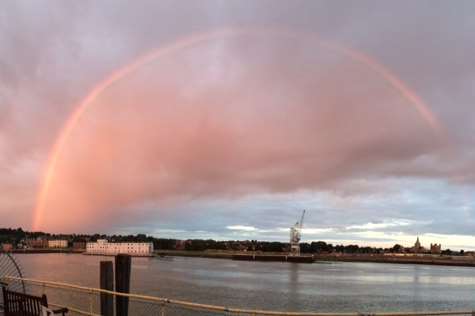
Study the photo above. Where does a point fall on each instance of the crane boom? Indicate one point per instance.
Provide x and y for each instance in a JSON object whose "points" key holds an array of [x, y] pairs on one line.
{"points": [[301, 219]]}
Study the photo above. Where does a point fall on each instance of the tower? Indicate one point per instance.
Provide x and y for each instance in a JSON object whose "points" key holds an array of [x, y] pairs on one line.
{"points": [[417, 245]]}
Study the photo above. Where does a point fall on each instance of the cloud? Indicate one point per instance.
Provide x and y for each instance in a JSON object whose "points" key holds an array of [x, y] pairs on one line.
{"points": [[317, 231], [381, 225], [250, 129], [242, 228], [309, 231], [184, 126]]}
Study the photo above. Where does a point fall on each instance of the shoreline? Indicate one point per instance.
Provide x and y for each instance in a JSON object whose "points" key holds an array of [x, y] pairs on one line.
{"points": [[44, 250], [267, 257], [423, 260]]}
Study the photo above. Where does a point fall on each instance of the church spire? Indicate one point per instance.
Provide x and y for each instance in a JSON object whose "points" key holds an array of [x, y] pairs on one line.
{"points": [[417, 245]]}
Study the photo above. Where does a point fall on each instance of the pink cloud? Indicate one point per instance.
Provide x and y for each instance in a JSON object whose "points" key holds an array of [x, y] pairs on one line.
{"points": [[227, 119]]}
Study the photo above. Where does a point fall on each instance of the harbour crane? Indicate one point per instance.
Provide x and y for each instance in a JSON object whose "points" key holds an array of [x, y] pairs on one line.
{"points": [[295, 236], [301, 219]]}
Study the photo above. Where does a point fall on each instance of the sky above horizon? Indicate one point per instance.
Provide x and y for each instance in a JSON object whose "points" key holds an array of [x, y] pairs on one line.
{"points": [[225, 119]]}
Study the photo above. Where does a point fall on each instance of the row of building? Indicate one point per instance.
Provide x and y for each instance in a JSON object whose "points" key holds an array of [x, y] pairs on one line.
{"points": [[435, 249], [43, 244], [101, 247]]}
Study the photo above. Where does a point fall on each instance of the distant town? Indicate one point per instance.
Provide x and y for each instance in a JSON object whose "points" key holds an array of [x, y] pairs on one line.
{"points": [[17, 240]]}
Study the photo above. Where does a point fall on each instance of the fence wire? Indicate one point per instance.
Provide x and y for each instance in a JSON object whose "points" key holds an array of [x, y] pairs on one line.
{"points": [[87, 302], [11, 267]]}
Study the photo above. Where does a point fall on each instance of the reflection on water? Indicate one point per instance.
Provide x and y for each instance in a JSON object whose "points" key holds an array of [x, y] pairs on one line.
{"points": [[293, 287], [342, 287]]}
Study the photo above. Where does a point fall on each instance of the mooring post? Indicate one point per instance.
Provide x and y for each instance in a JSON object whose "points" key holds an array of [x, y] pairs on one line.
{"points": [[107, 283], [122, 283]]}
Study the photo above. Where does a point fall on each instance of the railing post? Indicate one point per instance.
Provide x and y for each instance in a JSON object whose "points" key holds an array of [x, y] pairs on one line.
{"points": [[107, 283], [91, 302], [122, 283]]}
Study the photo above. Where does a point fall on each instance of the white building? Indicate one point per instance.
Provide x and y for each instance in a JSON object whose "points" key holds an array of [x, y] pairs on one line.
{"points": [[103, 247], [60, 243]]}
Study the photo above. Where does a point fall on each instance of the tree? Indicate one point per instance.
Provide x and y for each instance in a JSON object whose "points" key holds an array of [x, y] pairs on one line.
{"points": [[397, 248], [351, 249], [447, 252], [321, 247]]}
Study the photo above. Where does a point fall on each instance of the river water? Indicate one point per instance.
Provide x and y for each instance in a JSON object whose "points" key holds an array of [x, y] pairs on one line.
{"points": [[319, 287]]}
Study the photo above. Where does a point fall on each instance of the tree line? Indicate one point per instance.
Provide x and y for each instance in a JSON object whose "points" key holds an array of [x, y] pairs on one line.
{"points": [[15, 236]]}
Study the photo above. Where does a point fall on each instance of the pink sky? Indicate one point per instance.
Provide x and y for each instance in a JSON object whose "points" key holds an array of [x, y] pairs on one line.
{"points": [[246, 121], [239, 130]]}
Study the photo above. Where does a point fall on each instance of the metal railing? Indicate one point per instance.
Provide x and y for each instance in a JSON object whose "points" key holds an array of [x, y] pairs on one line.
{"points": [[81, 300]]}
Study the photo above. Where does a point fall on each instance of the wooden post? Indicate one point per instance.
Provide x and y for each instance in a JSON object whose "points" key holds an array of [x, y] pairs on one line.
{"points": [[107, 283], [122, 283]]}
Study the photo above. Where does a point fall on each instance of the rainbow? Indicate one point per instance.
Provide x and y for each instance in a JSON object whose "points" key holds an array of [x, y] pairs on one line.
{"points": [[75, 117]]}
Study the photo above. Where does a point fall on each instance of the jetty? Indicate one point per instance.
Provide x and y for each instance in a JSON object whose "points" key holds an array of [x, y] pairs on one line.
{"points": [[278, 258]]}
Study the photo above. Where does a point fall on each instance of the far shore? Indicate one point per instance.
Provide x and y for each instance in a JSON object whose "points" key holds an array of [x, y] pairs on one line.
{"points": [[462, 261], [398, 259], [45, 250]]}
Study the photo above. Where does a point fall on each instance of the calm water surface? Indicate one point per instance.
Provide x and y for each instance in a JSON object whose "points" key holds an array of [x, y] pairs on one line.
{"points": [[321, 287]]}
